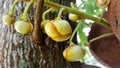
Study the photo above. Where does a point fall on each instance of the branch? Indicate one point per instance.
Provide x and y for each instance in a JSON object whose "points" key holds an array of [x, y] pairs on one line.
{"points": [[101, 36], [37, 32], [98, 20]]}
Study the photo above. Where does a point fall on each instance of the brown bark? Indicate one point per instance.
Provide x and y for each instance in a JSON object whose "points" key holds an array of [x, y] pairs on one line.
{"points": [[113, 17], [105, 50]]}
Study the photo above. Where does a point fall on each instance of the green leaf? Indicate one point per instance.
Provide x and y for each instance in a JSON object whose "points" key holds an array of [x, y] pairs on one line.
{"points": [[89, 7], [81, 34]]}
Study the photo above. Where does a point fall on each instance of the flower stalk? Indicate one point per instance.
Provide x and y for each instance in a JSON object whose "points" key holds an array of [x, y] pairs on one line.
{"points": [[11, 12], [101, 36], [24, 15]]}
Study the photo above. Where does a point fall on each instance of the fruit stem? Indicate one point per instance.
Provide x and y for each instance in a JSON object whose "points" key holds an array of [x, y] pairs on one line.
{"points": [[44, 14], [13, 7], [28, 6], [98, 20], [101, 36], [60, 13], [24, 15], [75, 30]]}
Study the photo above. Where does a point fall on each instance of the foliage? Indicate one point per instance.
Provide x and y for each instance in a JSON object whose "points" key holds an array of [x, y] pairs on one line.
{"points": [[89, 7]]}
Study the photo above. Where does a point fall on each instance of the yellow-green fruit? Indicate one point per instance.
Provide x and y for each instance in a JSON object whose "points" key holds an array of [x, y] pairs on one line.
{"points": [[73, 17], [73, 53], [23, 27], [102, 3], [8, 20], [58, 30]]}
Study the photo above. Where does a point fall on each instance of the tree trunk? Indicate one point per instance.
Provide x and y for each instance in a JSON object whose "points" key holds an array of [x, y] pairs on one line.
{"points": [[19, 51]]}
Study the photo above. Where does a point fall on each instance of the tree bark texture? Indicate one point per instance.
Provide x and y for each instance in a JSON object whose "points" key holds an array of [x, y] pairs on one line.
{"points": [[19, 51], [113, 17]]}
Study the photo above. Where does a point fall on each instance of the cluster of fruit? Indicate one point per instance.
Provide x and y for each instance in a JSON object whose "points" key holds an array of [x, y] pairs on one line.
{"points": [[23, 26], [58, 29]]}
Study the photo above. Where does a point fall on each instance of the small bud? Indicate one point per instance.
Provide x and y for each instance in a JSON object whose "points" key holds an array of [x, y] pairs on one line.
{"points": [[73, 17], [73, 53], [23, 27], [102, 3], [8, 20]]}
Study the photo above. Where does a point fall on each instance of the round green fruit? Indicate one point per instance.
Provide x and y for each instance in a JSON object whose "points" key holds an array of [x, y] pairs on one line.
{"points": [[8, 20], [23, 27]]}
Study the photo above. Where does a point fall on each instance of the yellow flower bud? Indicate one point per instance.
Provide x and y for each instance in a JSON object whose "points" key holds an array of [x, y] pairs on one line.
{"points": [[23, 27], [8, 20], [73, 17], [58, 30], [102, 3], [73, 53]]}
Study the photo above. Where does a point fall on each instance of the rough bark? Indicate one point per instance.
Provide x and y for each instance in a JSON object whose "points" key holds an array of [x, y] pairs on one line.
{"points": [[113, 16]]}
